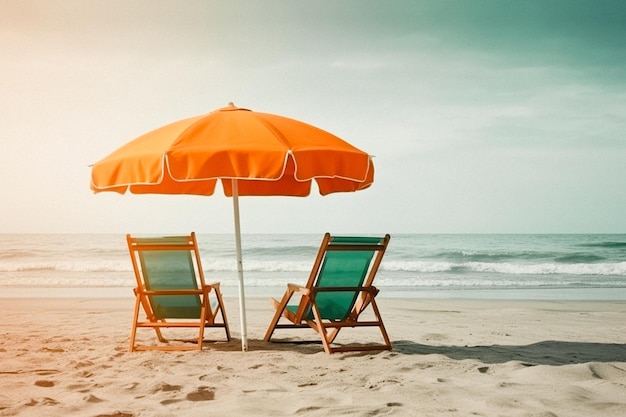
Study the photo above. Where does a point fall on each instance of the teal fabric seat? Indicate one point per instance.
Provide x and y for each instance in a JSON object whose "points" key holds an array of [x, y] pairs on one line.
{"points": [[170, 270], [341, 268], [339, 289]]}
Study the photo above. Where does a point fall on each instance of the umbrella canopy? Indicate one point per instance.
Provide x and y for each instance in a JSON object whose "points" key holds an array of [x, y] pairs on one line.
{"points": [[266, 153], [251, 153]]}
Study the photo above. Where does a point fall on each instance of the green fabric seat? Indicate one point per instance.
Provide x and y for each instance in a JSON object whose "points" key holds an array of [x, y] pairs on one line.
{"points": [[170, 270], [341, 269]]}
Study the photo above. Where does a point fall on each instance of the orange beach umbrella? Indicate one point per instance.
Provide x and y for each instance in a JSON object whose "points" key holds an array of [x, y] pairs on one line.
{"points": [[251, 153]]}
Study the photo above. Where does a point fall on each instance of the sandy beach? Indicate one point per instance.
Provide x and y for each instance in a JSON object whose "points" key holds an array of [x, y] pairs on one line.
{"points": [[62, 357]]}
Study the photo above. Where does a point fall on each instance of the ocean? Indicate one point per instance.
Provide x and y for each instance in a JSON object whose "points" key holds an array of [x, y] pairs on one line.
{"points": [[541, 266]]}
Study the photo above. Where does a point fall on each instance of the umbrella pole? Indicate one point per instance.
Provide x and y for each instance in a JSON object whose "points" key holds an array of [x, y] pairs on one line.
{"points": [[242, 299]]}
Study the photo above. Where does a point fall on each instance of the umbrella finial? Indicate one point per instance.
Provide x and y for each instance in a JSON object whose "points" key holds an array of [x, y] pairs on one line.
{"points": [[231, 107]]}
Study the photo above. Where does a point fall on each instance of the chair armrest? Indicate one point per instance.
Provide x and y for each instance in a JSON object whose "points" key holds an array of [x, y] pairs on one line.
{"points": [[298, 288], [215, 285]]}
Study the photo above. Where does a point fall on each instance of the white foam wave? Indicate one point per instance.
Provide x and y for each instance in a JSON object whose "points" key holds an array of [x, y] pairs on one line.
{"points": [[256, 265], [618, 268], [424, 267], [417, 266], [68, 281], [549, 268], [459, 282], [68, 266]]}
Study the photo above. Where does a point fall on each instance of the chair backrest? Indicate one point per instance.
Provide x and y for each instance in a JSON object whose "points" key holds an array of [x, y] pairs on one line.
{"points": [[344, 262], [168, 263]]}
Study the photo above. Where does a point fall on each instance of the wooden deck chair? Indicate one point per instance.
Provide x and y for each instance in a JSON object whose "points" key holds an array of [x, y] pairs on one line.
{"points": [[171, 289], [339, 289]]}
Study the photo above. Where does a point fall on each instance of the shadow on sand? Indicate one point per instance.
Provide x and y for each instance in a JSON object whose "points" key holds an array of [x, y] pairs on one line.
{"points": [[548, 352]]}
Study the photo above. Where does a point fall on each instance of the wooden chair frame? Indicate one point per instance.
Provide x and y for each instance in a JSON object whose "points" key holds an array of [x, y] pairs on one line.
{"points": [[208, 314], [328, 330]]}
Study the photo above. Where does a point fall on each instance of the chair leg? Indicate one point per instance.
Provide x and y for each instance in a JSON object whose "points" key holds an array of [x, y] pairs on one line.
{"points": [[160, 335], [220, 303], [133, 331], [326, 341], [203, 313], [333, 334], [277, 315], [329, 337], [280, 308], [381, 326]]}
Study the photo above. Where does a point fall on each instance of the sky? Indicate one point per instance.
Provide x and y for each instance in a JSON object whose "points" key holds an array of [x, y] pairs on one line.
{"points": [[483, 116]]}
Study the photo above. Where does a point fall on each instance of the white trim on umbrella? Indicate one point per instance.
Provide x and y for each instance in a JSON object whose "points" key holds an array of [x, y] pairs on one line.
{"points": [[165, 168]]}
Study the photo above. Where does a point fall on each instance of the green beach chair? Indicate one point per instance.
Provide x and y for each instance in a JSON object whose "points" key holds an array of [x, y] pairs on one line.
{"points": [[171, 289], [339, 289]]}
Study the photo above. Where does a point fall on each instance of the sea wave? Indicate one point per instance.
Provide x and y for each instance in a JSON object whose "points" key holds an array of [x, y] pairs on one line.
{"points": [[412, 261], [67, 266], [526, 256], [280, 280], [460, 282], [417, 267], [550, 268], [618, 268], [607, 244]]}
